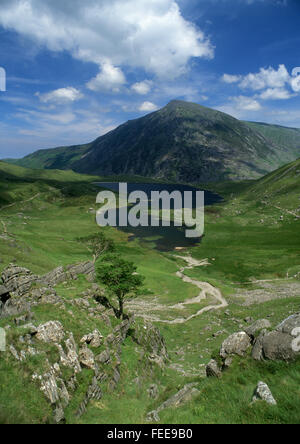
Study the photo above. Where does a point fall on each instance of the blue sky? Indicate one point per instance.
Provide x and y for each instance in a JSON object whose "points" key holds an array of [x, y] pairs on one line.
{"points": [[75, 70]]}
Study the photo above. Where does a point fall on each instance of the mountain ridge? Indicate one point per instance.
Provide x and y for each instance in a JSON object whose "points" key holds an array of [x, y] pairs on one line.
{"points": [[182, 142]]}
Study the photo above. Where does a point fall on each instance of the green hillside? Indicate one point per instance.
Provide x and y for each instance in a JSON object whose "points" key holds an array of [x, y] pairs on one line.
{"points": [[278, 194], [255, 264], [56, 158], [286, 139], [18, 183]]}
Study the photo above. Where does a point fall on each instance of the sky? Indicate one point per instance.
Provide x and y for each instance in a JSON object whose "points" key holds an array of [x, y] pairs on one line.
{"points": [[73, 70]]}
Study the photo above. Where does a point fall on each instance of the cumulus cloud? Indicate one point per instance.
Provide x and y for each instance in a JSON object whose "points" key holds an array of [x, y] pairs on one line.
{"points": [[45, 128], [148, 107], [276, 94], [109, 78], [62, 95], [295, 81], [228, 78], [268, 83], [142, 88], [246, 103], [148, 34], [266, 78], [241, 107]]}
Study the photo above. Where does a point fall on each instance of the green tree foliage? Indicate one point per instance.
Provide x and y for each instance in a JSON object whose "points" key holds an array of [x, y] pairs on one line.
{"points": [[121, 279], [98, 244]]}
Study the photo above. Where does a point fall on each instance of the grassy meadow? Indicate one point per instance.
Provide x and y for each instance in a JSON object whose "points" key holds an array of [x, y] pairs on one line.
{"points": [[42, 216]]}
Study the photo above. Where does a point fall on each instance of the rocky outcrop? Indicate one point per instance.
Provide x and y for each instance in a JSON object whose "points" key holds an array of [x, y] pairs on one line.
{"points": [[69, 358], [55, 390], [18, 279], [213, 369], [263, 393], [94, 393], [58, 381], [51, 332], [71, 272], [23, 289], [94, 339], [257, 327], [14, 306], [4, 298], [281, 344], [149, 337], [185, 395], [236, 344], [86, 357], [4, 294]]}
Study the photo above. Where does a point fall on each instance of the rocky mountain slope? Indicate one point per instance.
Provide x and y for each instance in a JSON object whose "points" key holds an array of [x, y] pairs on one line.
{"points": [[181, 142]]}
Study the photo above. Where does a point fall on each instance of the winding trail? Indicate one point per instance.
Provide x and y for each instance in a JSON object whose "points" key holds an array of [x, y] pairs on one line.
{"points": [[205, 290], [20, 202]]}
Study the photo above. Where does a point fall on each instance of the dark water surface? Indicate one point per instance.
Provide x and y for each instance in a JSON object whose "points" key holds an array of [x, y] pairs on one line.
{"points": [[161, 238]]}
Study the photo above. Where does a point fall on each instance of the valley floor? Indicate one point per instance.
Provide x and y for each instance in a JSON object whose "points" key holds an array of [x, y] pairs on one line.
{"points": [[242, 269]]}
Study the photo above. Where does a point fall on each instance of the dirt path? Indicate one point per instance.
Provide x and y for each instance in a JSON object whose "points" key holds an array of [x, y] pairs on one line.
{"points": [[20, 202], [205, 290]]}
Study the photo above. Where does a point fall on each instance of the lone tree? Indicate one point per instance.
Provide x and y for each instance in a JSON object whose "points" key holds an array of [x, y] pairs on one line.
{"points": [[121, 279], [98, 245]]}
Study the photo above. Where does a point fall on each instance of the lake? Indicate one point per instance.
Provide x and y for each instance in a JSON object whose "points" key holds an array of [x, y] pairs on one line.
{"points": [[161, 238]]}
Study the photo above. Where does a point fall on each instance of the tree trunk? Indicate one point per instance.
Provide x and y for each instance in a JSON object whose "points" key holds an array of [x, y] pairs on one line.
{"points": [[121, 308]]}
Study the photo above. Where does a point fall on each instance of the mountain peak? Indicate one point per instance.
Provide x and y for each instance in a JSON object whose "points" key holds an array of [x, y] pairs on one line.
{"points": [[182, 142]]}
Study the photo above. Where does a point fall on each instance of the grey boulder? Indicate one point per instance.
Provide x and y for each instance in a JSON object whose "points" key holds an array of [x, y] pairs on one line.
{"points": [[263, 393], [236, 344], [213, 369], [257, 326], [282, 344]]}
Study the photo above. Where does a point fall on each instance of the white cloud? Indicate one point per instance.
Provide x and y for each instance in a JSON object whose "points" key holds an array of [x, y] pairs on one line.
{"points": [[142, 88], [148, 107], [276, 94], [228, 78], [62, 95], [109, 78], [246, 103], [44, 129], [31, 116], [295, 83], [147, 34], [268, 83], [266, 78]]}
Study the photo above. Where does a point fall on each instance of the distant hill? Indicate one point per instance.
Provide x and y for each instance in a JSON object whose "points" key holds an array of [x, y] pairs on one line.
{"points": [[53, 158], [18, 183], [9, 171], [182, 142], [288, 139], [280, 188]]}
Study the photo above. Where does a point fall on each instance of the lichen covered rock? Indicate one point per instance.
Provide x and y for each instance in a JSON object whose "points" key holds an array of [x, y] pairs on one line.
{"points": [[52, 331]]}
